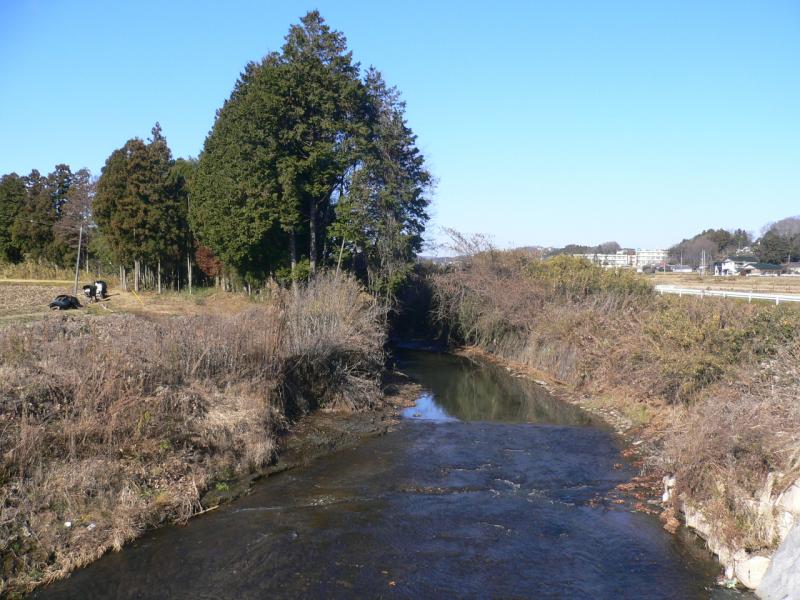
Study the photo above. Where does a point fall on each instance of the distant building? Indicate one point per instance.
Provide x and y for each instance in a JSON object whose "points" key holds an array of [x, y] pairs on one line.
{"points": [[621, 259], [760, 268], [650, 258], [745, 265], [626, 259]]}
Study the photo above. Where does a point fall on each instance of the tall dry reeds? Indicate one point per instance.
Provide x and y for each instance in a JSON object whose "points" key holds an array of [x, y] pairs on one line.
{"points": [[717, 376], [112, 425]]}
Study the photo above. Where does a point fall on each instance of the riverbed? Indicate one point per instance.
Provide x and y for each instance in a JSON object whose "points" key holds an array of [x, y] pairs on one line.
{"points": [[488, 488]]}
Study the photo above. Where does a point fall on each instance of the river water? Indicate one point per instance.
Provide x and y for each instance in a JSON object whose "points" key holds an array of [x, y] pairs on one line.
{"points": [[489, 488]]}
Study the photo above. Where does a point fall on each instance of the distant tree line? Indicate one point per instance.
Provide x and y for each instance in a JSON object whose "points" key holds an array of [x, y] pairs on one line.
{"points": [[310, 163], [712, 244], [779, 243], [569, 249], [30, 208]]}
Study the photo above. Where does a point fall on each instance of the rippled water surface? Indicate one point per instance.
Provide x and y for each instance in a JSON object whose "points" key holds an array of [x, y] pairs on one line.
{"points": [[483, 491]]}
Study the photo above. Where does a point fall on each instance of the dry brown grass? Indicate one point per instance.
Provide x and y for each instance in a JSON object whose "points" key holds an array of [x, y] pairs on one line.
{"points": [[27, 300], [42, 270], [740, 443], [118, 424], [18, 300], [715, 380]]}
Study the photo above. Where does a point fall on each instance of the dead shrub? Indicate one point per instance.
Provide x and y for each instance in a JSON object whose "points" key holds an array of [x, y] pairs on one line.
{"points": [[726, 370], [117, 424], [743, 438]]}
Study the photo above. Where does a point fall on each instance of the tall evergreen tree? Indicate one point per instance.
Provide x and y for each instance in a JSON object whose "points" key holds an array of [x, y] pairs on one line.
{"points": [[76, 221], [280, 146], [180, 179], [299, 135], [12, 198], [136, 206], [32, 231], [326, 120], [382, 215], [237, 205]]}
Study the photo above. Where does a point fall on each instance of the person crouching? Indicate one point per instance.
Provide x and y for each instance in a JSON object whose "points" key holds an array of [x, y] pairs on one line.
{"points": [[90, 291]]}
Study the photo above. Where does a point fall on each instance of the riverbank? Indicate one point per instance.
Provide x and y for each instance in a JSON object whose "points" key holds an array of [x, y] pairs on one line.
{"points": [[321, 433], [111, 426], [490, 487], [707, 387]]}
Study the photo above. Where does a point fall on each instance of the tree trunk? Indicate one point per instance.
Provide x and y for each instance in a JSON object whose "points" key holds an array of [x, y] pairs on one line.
{"points": [[189, 271], [312, 238], [339, 262], [293, 257], [137, 273], [159, 275], [123, 278]]}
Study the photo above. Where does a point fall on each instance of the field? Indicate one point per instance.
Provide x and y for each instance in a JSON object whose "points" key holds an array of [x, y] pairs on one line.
{"points": [[782, 284], [24, 300]]}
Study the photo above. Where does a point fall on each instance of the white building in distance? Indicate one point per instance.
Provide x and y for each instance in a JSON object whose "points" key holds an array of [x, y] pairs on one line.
{"points": [[648, 258], [625, 259]]}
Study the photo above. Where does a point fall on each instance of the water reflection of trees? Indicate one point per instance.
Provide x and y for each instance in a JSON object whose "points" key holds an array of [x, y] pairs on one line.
{"points": [[475, 392]]}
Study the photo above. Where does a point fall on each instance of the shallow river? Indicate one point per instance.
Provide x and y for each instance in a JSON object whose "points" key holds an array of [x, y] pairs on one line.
{"points": [[488, 489]]}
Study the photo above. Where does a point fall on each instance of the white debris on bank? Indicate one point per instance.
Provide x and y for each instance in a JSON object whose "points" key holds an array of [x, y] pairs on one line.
{"points": [[775, 577]]}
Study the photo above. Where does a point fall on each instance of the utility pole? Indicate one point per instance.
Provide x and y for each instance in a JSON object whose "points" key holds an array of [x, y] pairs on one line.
{"points": [[78, 261]]}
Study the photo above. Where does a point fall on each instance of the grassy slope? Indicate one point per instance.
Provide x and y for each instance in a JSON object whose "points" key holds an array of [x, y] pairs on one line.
{"points": [[714, 380], [117, 421]]}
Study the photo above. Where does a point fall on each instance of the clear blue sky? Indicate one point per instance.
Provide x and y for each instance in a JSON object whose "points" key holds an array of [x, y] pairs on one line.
{"points": [[544, 122]]}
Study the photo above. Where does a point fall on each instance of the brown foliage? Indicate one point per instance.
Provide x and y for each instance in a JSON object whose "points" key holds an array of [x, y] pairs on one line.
{"points": [[118, 424], [208, 262], [726, 370], [741, 443]]}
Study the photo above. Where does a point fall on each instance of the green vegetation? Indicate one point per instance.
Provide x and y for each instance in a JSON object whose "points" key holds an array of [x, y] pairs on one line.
{"points": [[574, 279], [713, 244], [307, 154], [138, 205], [310, 163], [716, 379]]}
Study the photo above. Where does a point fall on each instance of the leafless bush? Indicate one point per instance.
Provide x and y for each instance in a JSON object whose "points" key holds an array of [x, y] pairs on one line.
{"points": [[116, 424], [743, 441], [726, 370]]}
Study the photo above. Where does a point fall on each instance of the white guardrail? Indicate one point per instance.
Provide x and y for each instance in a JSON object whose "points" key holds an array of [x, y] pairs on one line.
{"points": [[749, 296]]}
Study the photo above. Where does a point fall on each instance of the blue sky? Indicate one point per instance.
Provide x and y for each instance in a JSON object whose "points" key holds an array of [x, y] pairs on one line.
{"points": [[544, 122]]}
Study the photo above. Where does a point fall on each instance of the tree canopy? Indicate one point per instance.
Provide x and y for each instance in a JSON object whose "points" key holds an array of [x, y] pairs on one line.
{"points": [[306, 154], [310, 161], [780, 241], [711, 243], [137, 205]]}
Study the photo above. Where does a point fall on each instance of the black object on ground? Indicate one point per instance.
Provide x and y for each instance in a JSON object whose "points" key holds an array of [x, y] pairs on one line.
{"points": [[65, 302]]}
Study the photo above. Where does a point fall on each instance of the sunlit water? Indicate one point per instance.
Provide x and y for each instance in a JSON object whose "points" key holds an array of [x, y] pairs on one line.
{"points": [[483, 492]]}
